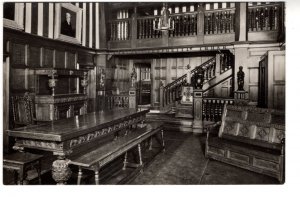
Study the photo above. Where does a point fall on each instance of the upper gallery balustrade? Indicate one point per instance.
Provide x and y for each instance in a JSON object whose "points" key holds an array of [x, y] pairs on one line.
{"points": [[192, 23]]}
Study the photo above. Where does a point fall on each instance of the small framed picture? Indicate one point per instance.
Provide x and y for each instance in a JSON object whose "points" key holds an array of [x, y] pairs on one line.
{"points": [[13, 15], [68, 18]]}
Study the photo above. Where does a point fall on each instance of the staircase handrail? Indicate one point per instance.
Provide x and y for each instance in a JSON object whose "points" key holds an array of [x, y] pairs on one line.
{"points": [[203, 66]]}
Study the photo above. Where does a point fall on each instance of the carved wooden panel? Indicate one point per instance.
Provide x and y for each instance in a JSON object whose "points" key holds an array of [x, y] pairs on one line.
{"points": [[253, 93], [253, 75], [71, 60], [262, 133], [239, 157], [230, 128], [18, 80], [245, 131], [279, 68], [34, 56], [19, 55], [48, 57], [279, 96], [59, 59], [85, 58], [216, 151], [259, 117], [262, 163]]}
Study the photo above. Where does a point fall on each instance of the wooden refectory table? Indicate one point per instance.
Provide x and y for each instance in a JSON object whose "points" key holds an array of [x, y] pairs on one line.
{"points": [[72, 135]]}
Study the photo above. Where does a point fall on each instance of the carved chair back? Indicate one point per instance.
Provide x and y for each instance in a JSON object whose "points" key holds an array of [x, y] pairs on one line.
{"points": [[22, 110]]}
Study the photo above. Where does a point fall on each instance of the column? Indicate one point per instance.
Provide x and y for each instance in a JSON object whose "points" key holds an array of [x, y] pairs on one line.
{"points": [[241, 21]]}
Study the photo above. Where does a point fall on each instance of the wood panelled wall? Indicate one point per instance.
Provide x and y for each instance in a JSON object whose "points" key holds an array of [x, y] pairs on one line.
{"points": [[162, 69], [39, 20]]}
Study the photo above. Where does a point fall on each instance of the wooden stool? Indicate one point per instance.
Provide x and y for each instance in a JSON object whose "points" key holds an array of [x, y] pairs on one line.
{"points": [[21, 162]]}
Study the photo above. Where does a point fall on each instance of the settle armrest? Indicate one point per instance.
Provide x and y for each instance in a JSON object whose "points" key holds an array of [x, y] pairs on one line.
{"points": [[213, 129]]}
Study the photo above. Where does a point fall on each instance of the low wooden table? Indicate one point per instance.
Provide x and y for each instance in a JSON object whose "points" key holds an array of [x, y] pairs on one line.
{"points": [[70, 136], [21, 162]]}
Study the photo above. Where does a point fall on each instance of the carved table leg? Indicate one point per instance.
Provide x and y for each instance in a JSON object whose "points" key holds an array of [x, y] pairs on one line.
{"points": [[60, 170]]}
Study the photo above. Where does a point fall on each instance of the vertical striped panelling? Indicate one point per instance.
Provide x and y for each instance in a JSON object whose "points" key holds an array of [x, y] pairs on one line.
{"points": [[83, 24], [28, 18], [34, 19], [97, 26], [91, 25], [40, 19], [51, 19], [87, 28], [45, 19]]}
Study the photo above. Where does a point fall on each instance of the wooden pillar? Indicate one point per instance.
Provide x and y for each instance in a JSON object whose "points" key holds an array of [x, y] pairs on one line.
{"points": [[101, 81], [198, 101], [241, 22], [200, 23], [161, 96], [134, 28], [132, 98], [102, 29]]}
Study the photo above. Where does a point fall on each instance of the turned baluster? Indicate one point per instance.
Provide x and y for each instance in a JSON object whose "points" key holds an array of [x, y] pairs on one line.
{"points": [[276, 18], [203, 109], [211, 23], [206, 19]]}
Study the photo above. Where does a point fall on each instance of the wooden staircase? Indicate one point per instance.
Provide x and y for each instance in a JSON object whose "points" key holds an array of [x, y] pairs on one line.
{"points": [[215, 71]]}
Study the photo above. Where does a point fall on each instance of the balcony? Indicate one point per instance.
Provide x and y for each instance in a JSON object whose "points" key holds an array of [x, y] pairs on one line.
{"points": [[202, 26]]}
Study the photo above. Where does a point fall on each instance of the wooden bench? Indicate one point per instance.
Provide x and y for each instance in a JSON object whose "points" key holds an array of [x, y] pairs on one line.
{"points": [[21, 163], [105, 153], [250, 138]]}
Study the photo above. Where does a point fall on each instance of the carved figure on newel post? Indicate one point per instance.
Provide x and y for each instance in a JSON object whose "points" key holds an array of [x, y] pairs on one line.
{"points": [[199, 79], [133, 77], [240, 79]]}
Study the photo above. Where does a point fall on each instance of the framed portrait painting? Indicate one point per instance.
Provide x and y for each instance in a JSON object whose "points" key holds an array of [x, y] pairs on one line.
{"points": [[13, 15], [68, 20]]}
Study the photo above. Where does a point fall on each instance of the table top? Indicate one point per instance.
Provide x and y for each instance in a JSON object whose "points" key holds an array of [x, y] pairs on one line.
{"points": [[64, 129]]}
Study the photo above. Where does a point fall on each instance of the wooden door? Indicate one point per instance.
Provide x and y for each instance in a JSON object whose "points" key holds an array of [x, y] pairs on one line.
{"points": [[263, 83], [276, 79]]}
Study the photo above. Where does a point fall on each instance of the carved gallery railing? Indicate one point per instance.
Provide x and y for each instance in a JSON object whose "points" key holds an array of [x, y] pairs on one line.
{"points": [[117, 101], [120, 29], [146, 28], [184, 24], [172, 91], [212, 108], [263, 17], [219, 21]]}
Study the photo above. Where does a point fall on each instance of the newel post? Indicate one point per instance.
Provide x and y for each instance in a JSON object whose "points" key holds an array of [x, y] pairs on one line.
{"points": [[198, 108], [132, 90]]}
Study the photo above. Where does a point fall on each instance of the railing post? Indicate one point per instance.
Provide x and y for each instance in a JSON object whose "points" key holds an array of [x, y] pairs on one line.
{"points": [[200, 23], [198, 108], [133, 27]]}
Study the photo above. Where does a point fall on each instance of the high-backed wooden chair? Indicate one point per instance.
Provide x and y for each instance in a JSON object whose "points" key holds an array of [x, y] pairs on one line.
{"points": [[20, 162], [22, 110]]}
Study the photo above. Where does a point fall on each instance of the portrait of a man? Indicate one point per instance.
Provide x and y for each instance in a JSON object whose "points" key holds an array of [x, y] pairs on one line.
{"points": [[68, 22]]}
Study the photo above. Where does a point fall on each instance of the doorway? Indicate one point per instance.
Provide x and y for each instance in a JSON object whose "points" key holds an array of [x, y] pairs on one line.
{"points": [[143, 84]]}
